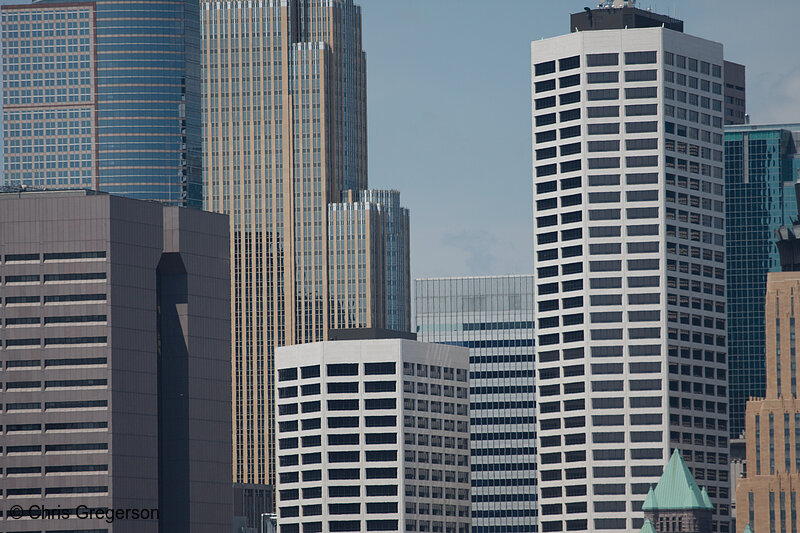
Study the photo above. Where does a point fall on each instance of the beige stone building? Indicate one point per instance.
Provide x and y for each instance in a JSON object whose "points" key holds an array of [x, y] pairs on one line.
{"points": [[767, 497]]}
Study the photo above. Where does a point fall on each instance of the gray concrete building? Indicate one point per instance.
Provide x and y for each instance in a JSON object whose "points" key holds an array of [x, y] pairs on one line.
{"points": [[373, 435], [115, 364], [493, 317]]}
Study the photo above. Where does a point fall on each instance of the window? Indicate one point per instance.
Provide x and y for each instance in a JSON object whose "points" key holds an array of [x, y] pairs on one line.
{"points": [[603, 129], [572, 114], [641, 127], [66, 256], [343, 388], [640, 58], [641, 75], [569, 81], [641, 92], [343, 369], [641, 110], [603, 111], [641, 144], [544, 120], [85, 276], [547, 67], [569, 132], [604, 214], [569, 63], [546, 85], [287, 374], [603, 146], [569, 98], [546, 136], [602, 180], [602, 77], [374, 369], [602, 60], [602, 94], [544, 103], [596, 163]]}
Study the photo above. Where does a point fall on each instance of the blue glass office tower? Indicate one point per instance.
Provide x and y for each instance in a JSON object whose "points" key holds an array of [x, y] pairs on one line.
{"points": [[104, 95], [761, 166], [493, 317]]}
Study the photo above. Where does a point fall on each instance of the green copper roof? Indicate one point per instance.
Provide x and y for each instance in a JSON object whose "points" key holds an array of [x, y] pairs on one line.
{"points": [[648, 527], [748, 529], [676, 489], [707, 500]]}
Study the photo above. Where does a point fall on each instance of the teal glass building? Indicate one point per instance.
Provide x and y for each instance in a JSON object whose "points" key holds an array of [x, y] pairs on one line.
{"points": [[761, 167], [104, 95]]}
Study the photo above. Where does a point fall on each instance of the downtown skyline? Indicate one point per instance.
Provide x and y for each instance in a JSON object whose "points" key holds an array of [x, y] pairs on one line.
{"points": [[573, 194]]}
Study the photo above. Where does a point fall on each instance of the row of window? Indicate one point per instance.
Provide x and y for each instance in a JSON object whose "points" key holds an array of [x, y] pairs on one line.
{"points": [[435, 407], [337, 526], [314, 389], [597, 300], [36, 363], [55, 298], [595, 95], [338, 405], [25, 470], [614, 265], [597, 60], [35, 406], [608, 248], [51, 278], [55, 341], [600, 128], [631, 110], [570, 200], [35, 321], [423, 439], [58, 256], [57, 448], [558, 440], [59, 426]]}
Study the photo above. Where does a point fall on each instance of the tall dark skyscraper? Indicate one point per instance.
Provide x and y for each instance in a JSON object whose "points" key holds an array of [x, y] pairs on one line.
{"points": [[104, 95], [285, 137], [114, 357], [761, 166]]}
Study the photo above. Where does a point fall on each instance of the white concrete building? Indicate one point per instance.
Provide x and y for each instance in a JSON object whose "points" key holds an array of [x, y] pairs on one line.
{"points": [[373, 435], [629, 268]]}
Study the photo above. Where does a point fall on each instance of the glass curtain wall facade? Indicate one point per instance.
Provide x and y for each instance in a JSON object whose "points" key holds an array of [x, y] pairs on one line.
{"points": [[285, 136], [761, 166], [629, 270], [356, 231], [493, 317], [104, 95], [396, 257]]}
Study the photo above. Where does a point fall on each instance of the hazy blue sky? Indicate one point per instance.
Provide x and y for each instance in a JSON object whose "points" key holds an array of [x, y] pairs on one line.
{"points": [[449, 110]]}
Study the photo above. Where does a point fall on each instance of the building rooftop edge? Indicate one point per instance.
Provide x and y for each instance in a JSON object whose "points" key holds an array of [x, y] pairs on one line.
{"points": [[391, 340], [749, 127], [13, 190], [499, 276]]}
